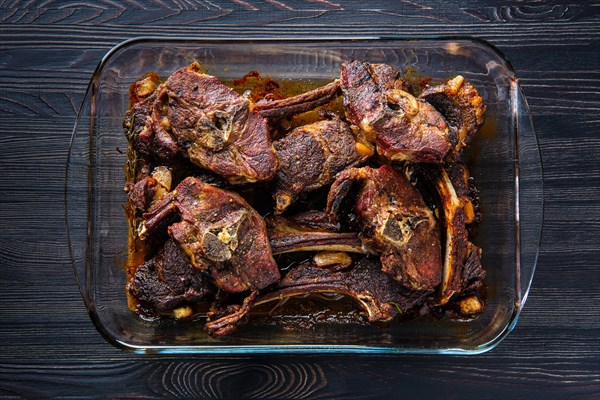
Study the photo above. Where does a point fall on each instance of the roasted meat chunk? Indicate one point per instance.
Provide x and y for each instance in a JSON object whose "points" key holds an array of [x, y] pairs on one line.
{"points": [[142, 193], [220, 231], [216, 128], [394, 222], [169, 281], [473, 272], [466, 191], [311, 156], [150, 189], [402, 126], [459, 252], [462, 107], [145, 134]]}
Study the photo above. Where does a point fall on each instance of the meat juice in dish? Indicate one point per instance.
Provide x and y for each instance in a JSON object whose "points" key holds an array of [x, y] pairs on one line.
{"points": [[245, 194]]}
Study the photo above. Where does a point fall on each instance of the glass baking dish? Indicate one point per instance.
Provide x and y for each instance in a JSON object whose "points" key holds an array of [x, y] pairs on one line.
{"points": [[504, 159]]}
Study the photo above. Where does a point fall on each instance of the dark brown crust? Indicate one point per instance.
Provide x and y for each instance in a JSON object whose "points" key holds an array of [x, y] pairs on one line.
{"points": [[218, 128], [473, 273], [233, 317], [394, 222], [142, 192], [403, 127], [456, 235], [316, 220], [147, 138], [168, 281], [220, 231], [376, 292], [285, 236], [310, 157], [467, 192], [462, 107]]}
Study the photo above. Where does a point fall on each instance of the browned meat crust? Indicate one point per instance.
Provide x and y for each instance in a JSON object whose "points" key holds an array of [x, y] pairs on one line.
{"points": [[402, 126], [310, 157], [168, 281], [220, 231], [394, 223]]}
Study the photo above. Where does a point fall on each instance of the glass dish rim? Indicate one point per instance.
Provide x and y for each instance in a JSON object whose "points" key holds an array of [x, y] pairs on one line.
{"points": [[313, 349]]}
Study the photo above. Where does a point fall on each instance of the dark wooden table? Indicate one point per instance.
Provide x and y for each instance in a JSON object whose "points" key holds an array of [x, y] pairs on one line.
{"points": [[48, 345]]}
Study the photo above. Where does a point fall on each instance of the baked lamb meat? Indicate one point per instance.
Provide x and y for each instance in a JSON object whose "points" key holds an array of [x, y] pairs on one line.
{"points": [[145, 134], [394, 222], [403, 127], [463, 109], [168, 281], [215, 127], [196, 115], [278, 109], [462, 270], [312, 155], [289, 236], [376, 293], [219, 231]]}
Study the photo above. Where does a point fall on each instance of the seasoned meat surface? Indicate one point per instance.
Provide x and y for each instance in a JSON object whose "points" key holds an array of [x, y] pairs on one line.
{"points": [[394, 223], [380, 296], [142, 193], [287, 235], [466, 191], [462, 107], [168, 281], [147, 136], [376, 292], [457, 211], [402, 126], [226, 318], [310, 157], [220, 231], [218, 128]]}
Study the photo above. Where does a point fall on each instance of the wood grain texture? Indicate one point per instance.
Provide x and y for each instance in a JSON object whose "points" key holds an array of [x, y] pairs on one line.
{"points": [[48, 345]]}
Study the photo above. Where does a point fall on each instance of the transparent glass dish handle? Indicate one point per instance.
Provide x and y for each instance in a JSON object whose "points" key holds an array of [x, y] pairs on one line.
{"points": [[530, 197], [78, 186]]}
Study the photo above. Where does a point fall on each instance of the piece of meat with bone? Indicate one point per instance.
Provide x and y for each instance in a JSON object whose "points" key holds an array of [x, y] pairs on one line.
{"points": [[402, 127], [376, 292], [214, 126], [287, 236], [168, 281], [285, 108], [312, 155], [458, 252], [380, 296], [220, 231], [466, 191], [147, 137], [222, 320], [394, 222], [462, 107]]}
